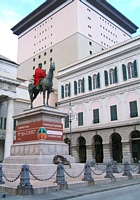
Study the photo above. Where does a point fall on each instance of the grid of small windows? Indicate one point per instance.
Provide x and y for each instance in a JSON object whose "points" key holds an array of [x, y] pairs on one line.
{"points": [[41, 33], [108, 29]]}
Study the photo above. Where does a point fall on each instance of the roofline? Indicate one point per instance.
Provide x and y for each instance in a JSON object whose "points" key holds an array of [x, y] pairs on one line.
{"points": [[9, 61], [49, 5], [36, 15], [100, 53], [114, 14]]}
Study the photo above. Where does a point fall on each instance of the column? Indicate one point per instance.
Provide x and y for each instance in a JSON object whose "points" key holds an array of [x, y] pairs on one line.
{"points": [[75, 150], [9, 127], [127, 155], [89, 153], [106, 153]]}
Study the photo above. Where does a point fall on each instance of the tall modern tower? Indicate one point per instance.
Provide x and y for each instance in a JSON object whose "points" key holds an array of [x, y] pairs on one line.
{"points": [[66, 31]]}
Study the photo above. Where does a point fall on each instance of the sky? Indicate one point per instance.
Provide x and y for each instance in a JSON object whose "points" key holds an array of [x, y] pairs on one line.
{"points": [[13, 11]]}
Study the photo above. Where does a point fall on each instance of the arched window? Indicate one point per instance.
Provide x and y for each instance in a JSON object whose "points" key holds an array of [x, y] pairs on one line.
{"points": [[79, 86], [66, 90], [130, 70], [111, 76], [95, 84]]}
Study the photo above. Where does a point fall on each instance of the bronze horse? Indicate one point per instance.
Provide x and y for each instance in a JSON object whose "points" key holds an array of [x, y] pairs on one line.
{"points": [[44, 85]]}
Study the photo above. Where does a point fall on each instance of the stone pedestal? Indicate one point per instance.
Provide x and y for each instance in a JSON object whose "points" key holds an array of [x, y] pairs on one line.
{"points": [[39, 137]]}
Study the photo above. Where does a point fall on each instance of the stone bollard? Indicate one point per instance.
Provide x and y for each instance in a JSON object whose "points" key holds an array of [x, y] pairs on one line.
{"points": [[25, 178], [126, 170], [138, 172], [1, 175], [109, 171], [60, 177], [115, 167], [87, 173]]}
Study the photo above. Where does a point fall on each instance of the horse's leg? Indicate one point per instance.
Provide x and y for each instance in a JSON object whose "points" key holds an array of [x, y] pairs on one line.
{"points": [[35, 95], [47, 97], [31, 99]]}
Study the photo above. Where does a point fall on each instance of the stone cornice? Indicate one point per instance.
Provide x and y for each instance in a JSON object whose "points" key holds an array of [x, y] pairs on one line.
{"points": [[111, 125], [10, 81], [101, 93]]}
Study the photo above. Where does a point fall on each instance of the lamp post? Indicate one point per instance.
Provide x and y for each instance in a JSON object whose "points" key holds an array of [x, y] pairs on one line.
{"points": [[71, 117]]}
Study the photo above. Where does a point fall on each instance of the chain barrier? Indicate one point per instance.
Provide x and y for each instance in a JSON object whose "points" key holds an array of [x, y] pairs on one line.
{"points": [[132, 169], [13, 179], [42, 179], [121, 169], [96, 166], [73, 175], [97, 173]]}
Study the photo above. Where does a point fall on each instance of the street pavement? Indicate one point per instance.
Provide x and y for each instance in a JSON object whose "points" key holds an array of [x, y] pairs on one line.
{"points": [[86, 192], [125, 193]]}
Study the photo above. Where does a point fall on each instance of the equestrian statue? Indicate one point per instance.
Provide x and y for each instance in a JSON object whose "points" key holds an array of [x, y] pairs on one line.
{"points": [[42, 82]]}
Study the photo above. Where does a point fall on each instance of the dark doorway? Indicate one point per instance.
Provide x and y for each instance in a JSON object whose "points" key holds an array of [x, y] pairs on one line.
{"points": [[82, 150], [136, 146], [116, 147], [98, 149]]}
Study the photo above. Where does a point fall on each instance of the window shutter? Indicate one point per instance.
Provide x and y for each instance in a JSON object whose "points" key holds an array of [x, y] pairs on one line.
{"points": [[75, 87], [113, 112], [80, 119], [124, 72], [135, 69], [69, 90], [96, 116], [106, 77], [115, 74], [133, 109], [98, 80], [89, 83], [62, 91], [67, 121], [83, 85]]}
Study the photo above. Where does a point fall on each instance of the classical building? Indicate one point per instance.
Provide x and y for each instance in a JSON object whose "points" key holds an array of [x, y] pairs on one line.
{"points": [[104, 91], [66, 31], [13, 100]]}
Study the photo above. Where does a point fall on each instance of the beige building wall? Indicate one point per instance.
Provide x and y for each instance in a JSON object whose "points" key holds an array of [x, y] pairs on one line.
{"points": [[47, 32]]}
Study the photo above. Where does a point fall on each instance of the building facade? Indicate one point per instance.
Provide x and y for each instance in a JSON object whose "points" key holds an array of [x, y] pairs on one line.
{"points": [[14, 99], [104, 91], [66, 31]]}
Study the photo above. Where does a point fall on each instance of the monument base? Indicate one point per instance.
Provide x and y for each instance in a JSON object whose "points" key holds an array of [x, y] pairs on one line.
{"points": [[39, 138], [38, 152]]}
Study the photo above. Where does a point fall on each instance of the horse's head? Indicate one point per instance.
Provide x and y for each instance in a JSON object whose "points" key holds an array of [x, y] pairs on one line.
{"points": [[52, 66]]}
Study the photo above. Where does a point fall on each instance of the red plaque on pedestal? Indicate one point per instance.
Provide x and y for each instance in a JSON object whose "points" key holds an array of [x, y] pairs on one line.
{"points": [[40, 130]]}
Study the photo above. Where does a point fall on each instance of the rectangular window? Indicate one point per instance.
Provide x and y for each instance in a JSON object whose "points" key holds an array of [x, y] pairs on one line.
{"points": [[113, 112], [4, 123], [67, 121], [95, 116], [15, 123], [133, 109], [1, 122], [80, 119]]}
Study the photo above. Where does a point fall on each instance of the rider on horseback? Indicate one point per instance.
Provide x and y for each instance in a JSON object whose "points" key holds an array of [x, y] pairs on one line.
{"points": [[39, 74]]}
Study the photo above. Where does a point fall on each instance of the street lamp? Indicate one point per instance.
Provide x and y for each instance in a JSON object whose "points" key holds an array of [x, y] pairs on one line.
{"points": [[71, 117]]}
